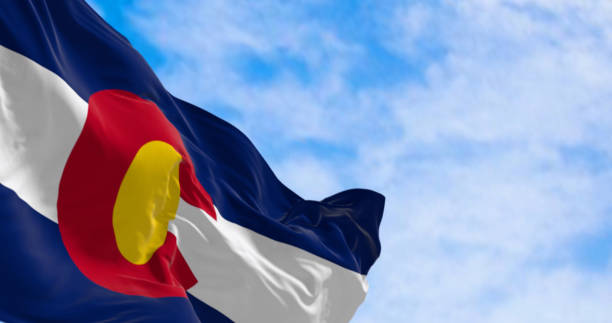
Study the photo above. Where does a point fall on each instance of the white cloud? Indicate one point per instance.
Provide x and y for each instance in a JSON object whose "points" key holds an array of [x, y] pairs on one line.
{"points": [[490, 164], [484, 223], [214, 34], [309, 177]]}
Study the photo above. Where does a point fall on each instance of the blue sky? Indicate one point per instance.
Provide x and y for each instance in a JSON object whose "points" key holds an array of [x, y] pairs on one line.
{"points": [[486, 124]]}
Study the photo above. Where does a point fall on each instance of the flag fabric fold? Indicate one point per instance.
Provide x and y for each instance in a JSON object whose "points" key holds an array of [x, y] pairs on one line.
{"points": [[212, 236]]}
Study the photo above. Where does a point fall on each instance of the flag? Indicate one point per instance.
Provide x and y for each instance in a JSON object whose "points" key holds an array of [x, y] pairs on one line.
{"points": [[120, 202]]}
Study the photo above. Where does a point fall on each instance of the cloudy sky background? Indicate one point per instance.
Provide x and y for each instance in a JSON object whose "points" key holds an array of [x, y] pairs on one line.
{"points": [[487, 125]]}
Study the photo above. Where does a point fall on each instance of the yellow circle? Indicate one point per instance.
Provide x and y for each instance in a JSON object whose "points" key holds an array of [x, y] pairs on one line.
{"points": [[147, 200]]}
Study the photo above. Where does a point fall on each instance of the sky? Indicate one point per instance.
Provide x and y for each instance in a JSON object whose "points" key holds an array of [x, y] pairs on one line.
{"points": [[487, 125]]}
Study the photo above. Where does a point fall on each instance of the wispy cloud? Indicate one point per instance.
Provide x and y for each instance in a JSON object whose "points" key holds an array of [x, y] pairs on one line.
{"points": [[485, 123]]}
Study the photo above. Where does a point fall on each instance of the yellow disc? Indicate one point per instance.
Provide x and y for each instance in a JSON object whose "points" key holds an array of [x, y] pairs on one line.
{"points": [[148, 198]]}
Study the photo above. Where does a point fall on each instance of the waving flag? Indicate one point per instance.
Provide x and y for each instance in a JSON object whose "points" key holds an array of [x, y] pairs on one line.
{"points": [[120, 202]]}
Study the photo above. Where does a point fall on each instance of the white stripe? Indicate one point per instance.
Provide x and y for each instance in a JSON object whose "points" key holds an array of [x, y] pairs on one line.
{"points": [[41, 118], [252, 278]]}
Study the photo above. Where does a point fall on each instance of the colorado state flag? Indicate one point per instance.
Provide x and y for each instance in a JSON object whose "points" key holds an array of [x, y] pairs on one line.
{"points": [[122, 203]]}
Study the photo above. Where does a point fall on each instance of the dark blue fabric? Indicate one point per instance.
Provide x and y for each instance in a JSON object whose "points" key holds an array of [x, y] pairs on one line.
{"points": [[71, 40], [207, 313]]}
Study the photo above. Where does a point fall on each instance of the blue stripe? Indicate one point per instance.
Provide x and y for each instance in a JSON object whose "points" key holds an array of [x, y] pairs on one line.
{"points": [[40, 283], [70, 39], [207, 313]]}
